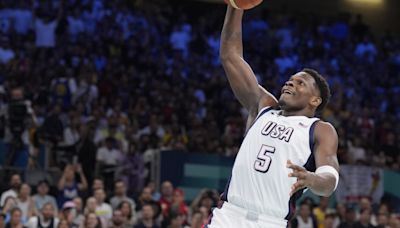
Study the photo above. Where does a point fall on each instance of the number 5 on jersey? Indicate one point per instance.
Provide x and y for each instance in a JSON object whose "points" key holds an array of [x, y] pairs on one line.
{"points": [[264, 160]]}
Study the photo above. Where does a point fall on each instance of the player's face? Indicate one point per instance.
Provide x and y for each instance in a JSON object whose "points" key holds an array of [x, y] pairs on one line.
{"points": [[299, 92]]}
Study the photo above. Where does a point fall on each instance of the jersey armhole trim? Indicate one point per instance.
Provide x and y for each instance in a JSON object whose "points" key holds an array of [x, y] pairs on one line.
{"points": [[311, 136], [262, 112]]}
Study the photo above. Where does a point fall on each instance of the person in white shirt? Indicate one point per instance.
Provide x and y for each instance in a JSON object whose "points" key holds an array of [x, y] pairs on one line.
{"points": [[46, 219], [15, 183], [103, 209], [108, 155], [71, 133], [108, 158], [45, 29]]}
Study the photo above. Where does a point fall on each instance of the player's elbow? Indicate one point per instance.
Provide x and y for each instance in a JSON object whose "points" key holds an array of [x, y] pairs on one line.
{"points": [[225, 56], [229, 52]]}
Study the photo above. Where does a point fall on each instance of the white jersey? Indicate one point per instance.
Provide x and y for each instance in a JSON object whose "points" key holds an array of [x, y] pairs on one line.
{"points": [[259, 180]]}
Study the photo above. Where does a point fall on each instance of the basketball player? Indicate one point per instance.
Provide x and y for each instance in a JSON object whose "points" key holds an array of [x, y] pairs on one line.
{"points": [[286, 149]]}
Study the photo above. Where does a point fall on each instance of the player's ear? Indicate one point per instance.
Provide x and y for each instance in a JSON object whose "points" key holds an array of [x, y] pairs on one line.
{"points": [[316, 101]]}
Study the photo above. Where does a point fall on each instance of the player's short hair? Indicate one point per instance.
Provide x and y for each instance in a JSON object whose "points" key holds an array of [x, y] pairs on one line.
{"points": [[322, 86]]}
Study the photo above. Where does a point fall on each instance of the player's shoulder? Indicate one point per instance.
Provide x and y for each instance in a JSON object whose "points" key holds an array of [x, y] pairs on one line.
{"points": [[324, 129]]}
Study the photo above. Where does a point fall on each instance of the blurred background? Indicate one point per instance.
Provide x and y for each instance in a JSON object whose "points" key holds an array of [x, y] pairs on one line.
{"points": [[118, 113]]}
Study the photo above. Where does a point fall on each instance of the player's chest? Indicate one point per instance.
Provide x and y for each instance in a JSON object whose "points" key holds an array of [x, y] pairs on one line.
{"points": [[280, 130]]}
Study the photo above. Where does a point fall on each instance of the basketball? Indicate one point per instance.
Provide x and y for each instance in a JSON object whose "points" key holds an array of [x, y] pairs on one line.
{"points": [[243, 4]]}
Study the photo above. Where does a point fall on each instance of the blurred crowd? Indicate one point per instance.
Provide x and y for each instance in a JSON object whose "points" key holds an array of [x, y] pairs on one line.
{"points": [[108, 84], [73, 203]]}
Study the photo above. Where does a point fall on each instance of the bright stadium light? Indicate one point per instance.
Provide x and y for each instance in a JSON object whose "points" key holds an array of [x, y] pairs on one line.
{"points": [[367, 1]]}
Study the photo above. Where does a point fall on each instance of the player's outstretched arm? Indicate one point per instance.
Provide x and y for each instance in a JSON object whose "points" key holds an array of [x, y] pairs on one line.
{"points": [[240, 75], [324, 181]]}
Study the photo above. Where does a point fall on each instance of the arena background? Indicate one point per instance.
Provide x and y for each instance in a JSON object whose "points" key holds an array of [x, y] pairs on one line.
{"points": [[134, 91]]}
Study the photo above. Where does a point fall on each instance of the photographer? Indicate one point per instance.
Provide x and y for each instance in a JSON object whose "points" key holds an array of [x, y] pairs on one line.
{"points": [[19, 117]]}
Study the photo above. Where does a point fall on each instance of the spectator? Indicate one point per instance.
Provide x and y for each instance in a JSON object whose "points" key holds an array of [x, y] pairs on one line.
{"points": [[146, 198], [71, 133], [197, 220], [45, 29], [167, 191], [92, 221], [179, 205], [365, 217], [394, 221], [365, 204], [350, 219], [68, 186], [133, 170], [79, 217], [63, 224], [86, 151], [204, 202], [15, 219], [103, 209], [154, 193], [383, 220], [91, 205], [304, 219], [147, 220], [75, 23], [126, 209], [15, 183], [390, 148], [22, 16], [25, 203], [329, 221], [357, 153], [180, 38], [52, 132], [341, 214], [176, 220], [9, 204], [42, 197], [46, 218], [98, 183], [366, 48], [120, 195], [118, 220], [68, 212], [108, 157], [319, 212]]}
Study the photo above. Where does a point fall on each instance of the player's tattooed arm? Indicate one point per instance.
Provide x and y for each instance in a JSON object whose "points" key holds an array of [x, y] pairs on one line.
{"points": [[325, 151]]}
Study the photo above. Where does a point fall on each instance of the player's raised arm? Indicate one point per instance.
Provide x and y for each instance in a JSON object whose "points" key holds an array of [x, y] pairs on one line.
{"points": [[240, 75], [324, 180]]}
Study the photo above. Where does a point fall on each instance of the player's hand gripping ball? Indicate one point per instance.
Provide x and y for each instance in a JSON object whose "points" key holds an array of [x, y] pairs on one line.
{"points": [[243, 4]]}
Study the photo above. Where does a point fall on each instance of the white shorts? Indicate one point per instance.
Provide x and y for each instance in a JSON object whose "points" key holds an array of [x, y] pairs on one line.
{"points": [[232, 216]]}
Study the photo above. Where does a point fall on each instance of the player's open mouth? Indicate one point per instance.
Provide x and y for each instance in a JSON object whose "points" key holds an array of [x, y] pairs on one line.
{"points": [[286, 91]]}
